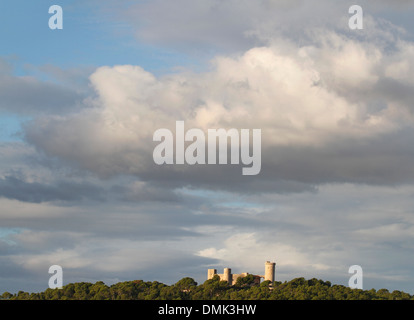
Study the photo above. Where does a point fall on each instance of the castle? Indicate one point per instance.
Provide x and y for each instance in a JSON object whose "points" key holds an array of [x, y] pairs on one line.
{"points": [[232, 278]]}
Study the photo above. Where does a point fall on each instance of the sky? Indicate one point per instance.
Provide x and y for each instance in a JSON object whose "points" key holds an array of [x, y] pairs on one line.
{"points": [[79, 106]]}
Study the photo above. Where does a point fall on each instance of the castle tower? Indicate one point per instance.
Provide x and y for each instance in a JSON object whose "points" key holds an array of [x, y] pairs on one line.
{"points": [[211, 273], [227, 276], [270, 271]]}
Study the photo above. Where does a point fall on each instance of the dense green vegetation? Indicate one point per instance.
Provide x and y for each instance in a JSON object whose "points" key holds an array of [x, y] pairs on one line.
{"points": [[187, 289]]}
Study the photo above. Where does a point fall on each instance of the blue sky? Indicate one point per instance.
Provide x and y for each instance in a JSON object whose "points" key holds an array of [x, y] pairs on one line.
{"points": [[91, 37], [78, 108], [88, 37], [11, 127]]}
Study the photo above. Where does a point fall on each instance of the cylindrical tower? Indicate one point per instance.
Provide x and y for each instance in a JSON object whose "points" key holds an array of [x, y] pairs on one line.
{"points": [[227, 276], [270, 271], [211, 273]]}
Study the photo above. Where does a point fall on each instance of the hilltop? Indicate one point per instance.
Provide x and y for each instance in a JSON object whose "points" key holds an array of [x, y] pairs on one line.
{"points": [[212, 289]]}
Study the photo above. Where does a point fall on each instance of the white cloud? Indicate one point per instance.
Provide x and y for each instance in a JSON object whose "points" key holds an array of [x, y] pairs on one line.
{"points": [[244, 251], [299, 96]]}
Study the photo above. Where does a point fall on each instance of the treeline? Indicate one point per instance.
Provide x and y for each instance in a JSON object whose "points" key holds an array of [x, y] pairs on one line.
{"points": [[213, 289]]}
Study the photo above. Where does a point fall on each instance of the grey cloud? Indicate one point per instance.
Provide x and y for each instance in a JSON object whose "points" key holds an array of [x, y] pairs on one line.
{"points": [[30, 176], [29, 96], [395, 91], [238, 25], [139, 221], [385, 89], [214, 24], [145, 192], [335, 228], [340, 226], [65, 191], [15, 188], [341, 128], [384, 160]]}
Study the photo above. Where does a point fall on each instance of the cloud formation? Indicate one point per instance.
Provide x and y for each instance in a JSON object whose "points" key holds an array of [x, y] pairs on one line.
{"points": [[335, 110], [28, 96], [350, 122]]}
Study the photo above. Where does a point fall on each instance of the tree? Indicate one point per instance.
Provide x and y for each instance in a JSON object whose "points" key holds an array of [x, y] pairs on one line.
{"points": [[99, 291], [213, 288], [6, 296], [186, 284], [245, 281], [187, 288]]}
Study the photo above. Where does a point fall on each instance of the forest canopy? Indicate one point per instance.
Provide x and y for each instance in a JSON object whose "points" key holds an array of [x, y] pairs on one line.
{"points": [[213, 289]]}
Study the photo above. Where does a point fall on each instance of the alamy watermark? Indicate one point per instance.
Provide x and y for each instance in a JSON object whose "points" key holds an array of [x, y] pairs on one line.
{"points": [[357, 20], [56, 280], [355, 281], [195, 153], [56, 21]]}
